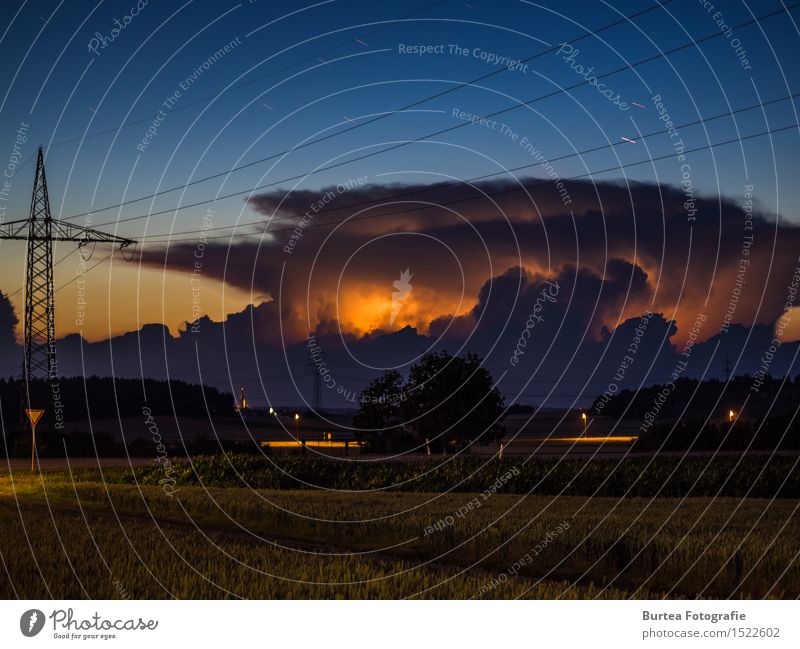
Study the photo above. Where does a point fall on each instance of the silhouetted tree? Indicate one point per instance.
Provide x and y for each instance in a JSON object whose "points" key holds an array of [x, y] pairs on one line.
{"points": [[447, 399], [452, 399], [378, 415]]}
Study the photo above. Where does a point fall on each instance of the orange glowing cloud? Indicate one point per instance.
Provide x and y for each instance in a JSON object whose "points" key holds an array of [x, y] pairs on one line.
{"points": [[364, 308]]}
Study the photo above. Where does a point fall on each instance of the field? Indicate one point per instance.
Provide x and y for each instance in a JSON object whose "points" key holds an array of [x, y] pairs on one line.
{"points": [[80, 534], [741, 476]]}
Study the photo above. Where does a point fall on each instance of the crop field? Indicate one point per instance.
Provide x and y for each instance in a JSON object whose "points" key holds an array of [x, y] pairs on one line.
{"points": [[750, 476], [85, 535]]}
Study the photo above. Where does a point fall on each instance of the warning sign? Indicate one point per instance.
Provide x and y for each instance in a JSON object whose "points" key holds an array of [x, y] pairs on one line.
{"points": [[34, 415]]}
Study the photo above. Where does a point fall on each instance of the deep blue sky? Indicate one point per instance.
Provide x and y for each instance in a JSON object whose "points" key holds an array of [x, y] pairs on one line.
{"points": [[126, 82], [307, 70], [300, 70]]}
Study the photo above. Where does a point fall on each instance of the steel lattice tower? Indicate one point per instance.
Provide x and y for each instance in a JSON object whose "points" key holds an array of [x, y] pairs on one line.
{"points": [[40, 231], [314, 361], [39, 355]]}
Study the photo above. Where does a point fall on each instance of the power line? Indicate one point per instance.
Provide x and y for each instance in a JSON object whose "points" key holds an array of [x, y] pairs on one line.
{"points": [[399, 145], [74, 279], [648, 161], [88, 270], [425, 207], [464, 200], [244, 84], [64, 258], [414, 104], [423, 190], [514, 189]]}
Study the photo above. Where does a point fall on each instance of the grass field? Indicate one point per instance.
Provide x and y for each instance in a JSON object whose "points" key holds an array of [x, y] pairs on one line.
{"points": [[69, 538]]}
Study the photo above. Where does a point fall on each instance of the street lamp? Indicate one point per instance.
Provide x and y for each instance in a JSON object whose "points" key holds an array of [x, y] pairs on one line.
{"points": [[731, 415], [297, 425], [583, 416]]}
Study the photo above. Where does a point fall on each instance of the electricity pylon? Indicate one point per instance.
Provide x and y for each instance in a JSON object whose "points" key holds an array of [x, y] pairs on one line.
{"points": [[40, 231], [315, 361]]}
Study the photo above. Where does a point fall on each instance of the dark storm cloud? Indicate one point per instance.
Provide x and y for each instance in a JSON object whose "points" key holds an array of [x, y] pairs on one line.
{"points": [[563, 362], [690, 265]]}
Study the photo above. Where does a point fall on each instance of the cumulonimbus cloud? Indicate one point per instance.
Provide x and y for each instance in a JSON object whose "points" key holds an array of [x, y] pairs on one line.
{"points": [[335, 260]]}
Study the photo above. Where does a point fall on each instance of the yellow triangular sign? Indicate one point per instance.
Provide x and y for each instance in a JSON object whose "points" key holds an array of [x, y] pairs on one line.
{"points": [[34, 415]]}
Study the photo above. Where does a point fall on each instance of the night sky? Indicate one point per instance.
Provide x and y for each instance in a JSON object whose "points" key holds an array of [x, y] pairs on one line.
{"points": [[442, 149]]}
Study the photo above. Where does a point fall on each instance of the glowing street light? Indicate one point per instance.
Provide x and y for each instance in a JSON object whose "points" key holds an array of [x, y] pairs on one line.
{"points": [[583, 416], [297, 425], [731, 415], [271, 411]]}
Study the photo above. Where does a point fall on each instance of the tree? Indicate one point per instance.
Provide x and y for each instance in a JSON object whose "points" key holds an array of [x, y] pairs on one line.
{"points": [[451, 399], [378, 414]]}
